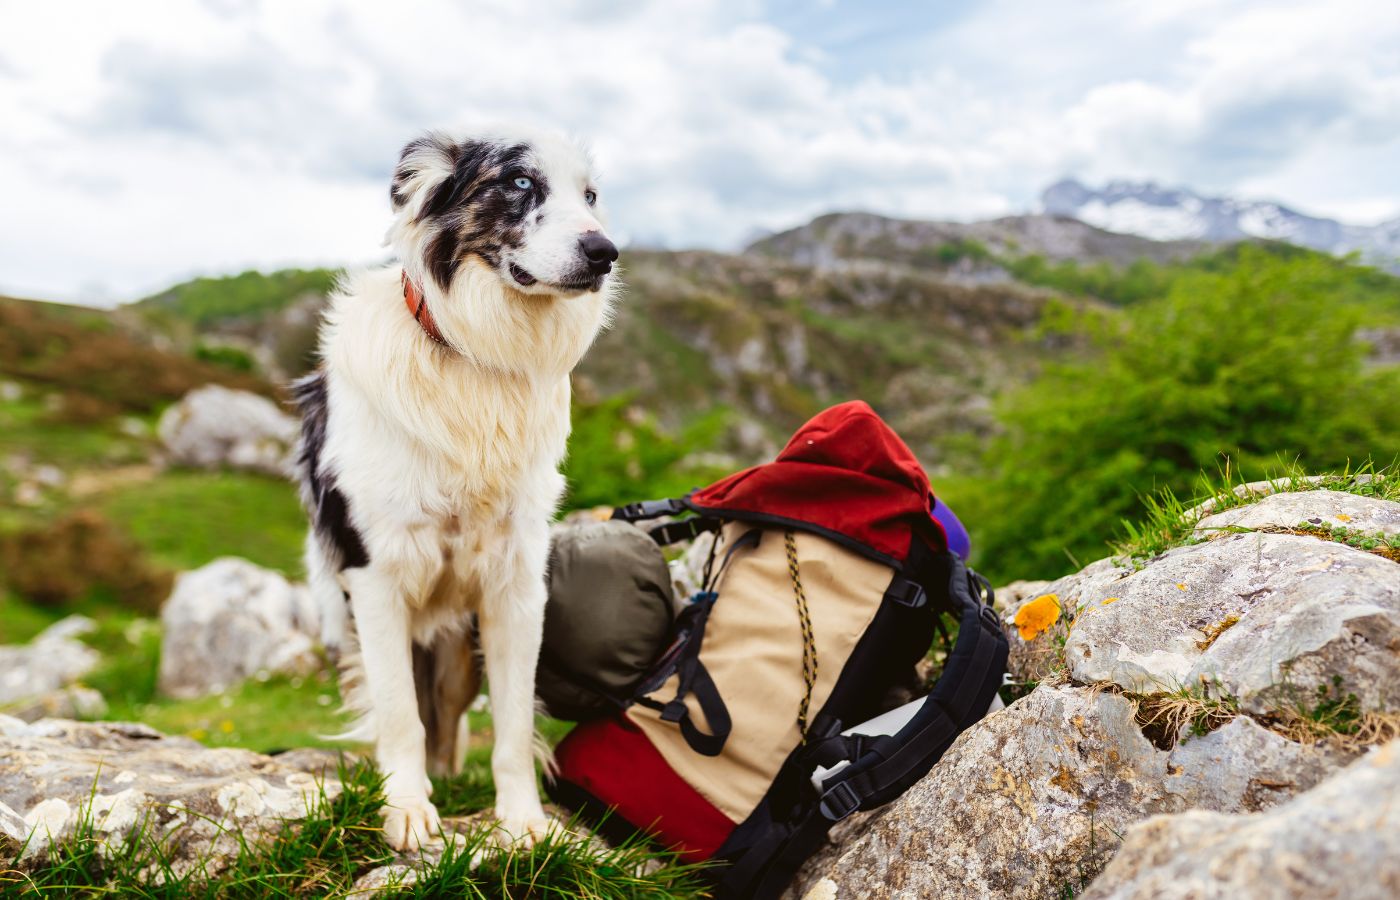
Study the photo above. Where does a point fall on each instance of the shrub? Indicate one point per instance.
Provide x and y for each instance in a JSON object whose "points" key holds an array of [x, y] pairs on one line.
{"points": [[77, 556]]}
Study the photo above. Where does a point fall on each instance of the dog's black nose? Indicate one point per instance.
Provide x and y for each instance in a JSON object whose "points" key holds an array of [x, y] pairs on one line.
{"points": [[599, 251]]}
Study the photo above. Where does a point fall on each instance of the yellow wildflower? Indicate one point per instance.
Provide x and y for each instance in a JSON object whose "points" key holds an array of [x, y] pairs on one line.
{"points": [[226, 726], [1343, 517], [1037, 615]]}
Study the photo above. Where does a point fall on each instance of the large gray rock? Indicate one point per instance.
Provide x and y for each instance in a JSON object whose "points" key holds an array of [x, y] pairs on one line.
{"points": [[1341, 840], [1330, 509], [230, 620], [47, 664], [1035, 797], [1268, 618], [214, 427], [54, 773]]}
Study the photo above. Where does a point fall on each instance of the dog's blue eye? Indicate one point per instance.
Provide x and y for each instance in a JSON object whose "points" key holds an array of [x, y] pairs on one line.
{"points": [[524, 183], [591, 197]]}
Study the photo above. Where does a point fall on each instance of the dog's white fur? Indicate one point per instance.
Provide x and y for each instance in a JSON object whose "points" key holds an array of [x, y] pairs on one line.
{"points": [[449, 460]]}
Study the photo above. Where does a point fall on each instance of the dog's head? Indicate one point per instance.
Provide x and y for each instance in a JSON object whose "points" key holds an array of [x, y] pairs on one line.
{"points": [[523, 206]]}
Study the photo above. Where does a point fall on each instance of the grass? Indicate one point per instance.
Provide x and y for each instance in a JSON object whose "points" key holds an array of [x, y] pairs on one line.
{"points": [[1170, 521], [21, 621], [186, 519], [1163, 715], [1379, 544], [29, 428], [338, 842], [1330, 714], [268, 717]]}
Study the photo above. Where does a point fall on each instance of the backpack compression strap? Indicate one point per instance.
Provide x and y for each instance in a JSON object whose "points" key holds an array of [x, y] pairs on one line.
{"points": [[680, 530], [692, 678], [882, 768]]}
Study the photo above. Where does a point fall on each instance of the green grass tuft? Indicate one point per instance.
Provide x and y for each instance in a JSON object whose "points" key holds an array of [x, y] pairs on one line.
{"points": [[1170, 521]]}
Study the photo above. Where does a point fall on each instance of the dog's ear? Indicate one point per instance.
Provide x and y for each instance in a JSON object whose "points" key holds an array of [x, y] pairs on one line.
{"points": [[426, 164]]}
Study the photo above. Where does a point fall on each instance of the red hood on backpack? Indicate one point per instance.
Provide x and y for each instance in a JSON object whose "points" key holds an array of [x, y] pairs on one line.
{"points": [[846, 473]]}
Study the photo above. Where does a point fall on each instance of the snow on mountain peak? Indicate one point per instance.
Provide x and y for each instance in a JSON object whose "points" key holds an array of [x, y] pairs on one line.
{"points": [[1161, 213]]}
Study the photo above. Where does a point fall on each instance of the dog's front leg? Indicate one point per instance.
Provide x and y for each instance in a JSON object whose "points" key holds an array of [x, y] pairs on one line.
{"points": [[512, 625], [382, 622]]}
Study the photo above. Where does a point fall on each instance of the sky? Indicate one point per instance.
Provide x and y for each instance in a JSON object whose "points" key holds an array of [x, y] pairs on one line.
{"points": [[146, 141]]}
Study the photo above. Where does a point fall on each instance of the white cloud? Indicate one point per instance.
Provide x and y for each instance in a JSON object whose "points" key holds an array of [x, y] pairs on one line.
{"points": [[147, 140]]}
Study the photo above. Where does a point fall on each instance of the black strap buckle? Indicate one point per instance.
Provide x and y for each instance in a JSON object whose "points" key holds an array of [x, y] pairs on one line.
{"points": [[647, 509], [990, 619], [683, 530], [907, 593], [839, 802]]}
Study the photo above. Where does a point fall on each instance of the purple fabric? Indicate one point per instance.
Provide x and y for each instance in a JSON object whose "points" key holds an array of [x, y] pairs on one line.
{"points": [[958, 539]]}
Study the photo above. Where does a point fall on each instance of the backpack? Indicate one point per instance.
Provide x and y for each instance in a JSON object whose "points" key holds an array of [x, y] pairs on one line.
{"points": [[824, 585]]}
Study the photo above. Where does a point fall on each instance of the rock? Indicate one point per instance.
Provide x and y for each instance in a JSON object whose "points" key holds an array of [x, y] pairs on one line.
{"points": [[1275, 486], [230, 620], [49, 663], [1268, 618], [72, 702], [127, 776], [1265, 618], [1034, 797], [214, 427], [1340, 839], [1037, 659], [688, 569], [1330, 509], [1018, 592]]}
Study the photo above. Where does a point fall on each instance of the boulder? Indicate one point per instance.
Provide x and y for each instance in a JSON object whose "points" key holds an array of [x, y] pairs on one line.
{"points": [[47, 664], [1273, 620], [1340, 839], [214, 427], [1034, 798], [1329, 509], [230, 620], [124, 777]]}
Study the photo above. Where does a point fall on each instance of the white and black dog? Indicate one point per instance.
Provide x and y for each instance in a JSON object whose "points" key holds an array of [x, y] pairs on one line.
{"points": [[431, 442]]}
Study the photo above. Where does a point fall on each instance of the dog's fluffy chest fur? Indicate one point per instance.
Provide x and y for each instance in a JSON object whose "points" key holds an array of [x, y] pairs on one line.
{"points": [[449, 464]]}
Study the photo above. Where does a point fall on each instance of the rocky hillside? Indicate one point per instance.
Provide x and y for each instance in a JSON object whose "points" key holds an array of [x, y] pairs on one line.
{"points": [[971, 250], [766, 339]]}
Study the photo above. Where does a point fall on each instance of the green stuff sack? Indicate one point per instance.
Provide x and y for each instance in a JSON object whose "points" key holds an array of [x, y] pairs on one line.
{"points": [[608, 618]]}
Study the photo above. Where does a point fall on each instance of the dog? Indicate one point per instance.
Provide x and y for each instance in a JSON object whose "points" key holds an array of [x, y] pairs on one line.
{"points": [[432, 434]]}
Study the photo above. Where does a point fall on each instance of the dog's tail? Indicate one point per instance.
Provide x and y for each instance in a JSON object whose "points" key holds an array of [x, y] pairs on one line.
{"points": [[447, 674]]}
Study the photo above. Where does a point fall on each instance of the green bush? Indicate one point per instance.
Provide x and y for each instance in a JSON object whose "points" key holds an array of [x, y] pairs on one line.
{"points": [[77, 557], [1238, 367], [618, 454]]}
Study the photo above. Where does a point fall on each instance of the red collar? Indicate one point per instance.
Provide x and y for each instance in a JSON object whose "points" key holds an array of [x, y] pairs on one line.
{"points": [[418, 306]]}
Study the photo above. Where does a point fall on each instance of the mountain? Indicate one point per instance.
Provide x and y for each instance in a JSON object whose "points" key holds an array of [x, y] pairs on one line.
{"points": [[841, 238], [1152, 211]]}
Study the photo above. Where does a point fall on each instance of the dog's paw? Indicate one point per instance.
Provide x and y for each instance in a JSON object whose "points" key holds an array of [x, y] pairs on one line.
{"points": [[411, 823], [521, 828]]}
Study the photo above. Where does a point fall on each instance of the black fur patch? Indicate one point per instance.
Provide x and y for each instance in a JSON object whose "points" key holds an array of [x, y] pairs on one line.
{"points": [[325, 504], [477, 210]]}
